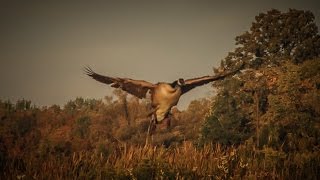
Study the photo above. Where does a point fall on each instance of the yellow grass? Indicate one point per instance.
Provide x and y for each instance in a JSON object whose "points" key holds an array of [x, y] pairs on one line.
{"points": [[183, 162]]}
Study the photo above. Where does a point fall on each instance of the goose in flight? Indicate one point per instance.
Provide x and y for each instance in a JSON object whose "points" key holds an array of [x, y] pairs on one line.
{"points": [[163, 95]]}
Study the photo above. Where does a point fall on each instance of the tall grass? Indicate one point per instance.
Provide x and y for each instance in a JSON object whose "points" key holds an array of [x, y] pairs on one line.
{"points": [[183, 162]]}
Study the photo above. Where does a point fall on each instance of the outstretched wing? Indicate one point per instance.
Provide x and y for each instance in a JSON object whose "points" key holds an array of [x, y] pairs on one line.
{"points": [[138, 88], [192, 83]]}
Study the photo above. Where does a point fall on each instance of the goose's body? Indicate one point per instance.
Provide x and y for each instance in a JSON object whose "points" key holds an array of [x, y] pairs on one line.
{"points": [[163, 98], [163, 95]]}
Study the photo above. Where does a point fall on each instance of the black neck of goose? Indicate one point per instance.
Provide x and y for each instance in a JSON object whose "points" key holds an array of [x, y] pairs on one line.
{"points": [[175, 84]]}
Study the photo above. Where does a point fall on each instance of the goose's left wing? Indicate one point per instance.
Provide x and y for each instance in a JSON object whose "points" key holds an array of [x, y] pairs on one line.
{"points": [[192, 83]]}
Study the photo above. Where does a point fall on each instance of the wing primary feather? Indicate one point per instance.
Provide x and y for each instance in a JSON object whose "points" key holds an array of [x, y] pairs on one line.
{"points": [[88, 71]]}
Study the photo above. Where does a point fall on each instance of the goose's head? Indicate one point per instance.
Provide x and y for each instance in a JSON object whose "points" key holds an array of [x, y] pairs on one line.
{"points": [[181, 82], [178, 83]]}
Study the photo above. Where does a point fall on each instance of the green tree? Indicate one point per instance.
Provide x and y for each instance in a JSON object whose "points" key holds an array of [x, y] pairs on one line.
{"points": [[275, 37], [266, 97], [293, 116], [229, 122]]}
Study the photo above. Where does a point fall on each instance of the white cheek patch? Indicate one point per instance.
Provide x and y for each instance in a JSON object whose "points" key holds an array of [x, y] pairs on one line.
{"points": [[180, 82]]}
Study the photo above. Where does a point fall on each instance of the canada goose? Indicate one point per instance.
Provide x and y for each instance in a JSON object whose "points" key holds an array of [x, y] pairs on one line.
{"points": [[163, 95]]}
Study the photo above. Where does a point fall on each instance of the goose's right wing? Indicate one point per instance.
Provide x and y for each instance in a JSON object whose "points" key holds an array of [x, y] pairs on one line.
{"points": [[138, 88]]}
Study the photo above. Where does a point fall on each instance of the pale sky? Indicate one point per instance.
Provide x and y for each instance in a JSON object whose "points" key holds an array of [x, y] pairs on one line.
{"points": [[44, 45]]}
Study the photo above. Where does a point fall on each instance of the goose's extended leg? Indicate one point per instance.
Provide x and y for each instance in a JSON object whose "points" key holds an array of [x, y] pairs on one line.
{"points": [[167, 121], [151, 130], [152, 126]]}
